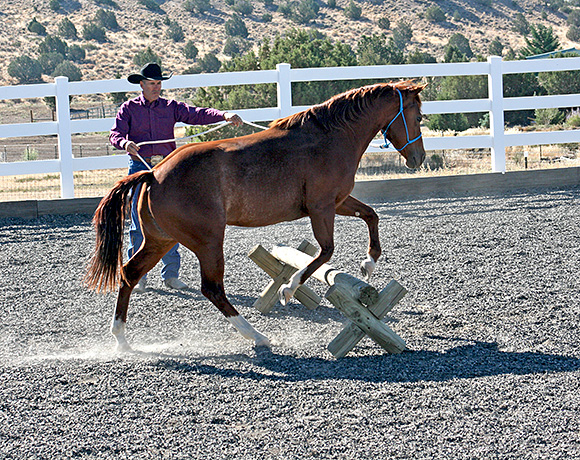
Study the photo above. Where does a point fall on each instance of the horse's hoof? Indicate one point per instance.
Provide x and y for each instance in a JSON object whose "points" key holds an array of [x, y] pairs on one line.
{"points": [[285, 294], [367, 267], [262, 341], [123, 347]]}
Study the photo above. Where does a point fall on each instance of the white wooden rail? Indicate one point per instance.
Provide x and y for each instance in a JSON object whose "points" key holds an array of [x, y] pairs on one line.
{"points": [[284, 76]]}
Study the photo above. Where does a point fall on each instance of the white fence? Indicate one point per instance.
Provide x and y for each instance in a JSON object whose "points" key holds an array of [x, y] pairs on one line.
{"points": [[284, 76]]}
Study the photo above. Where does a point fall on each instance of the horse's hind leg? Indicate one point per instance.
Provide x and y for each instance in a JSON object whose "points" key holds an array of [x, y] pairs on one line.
{"points": [[151, 252], [353, 207]]}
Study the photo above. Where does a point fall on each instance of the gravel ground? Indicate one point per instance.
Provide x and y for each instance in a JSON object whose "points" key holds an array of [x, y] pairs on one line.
{"points": [[491, 321]]}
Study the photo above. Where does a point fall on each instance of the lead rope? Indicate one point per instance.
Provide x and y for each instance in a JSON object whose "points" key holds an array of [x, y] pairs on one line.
{"points": [[164, 141]]}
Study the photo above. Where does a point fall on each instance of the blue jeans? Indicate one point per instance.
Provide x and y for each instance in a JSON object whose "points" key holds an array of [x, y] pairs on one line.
{"points": [[170, 261]]}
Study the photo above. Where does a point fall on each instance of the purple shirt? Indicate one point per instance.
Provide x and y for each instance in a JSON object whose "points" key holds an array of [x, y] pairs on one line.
{"points": [[139, 120]]}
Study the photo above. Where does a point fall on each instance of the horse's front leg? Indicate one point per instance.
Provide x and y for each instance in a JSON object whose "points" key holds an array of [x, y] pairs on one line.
{"points": [[322, 221], [353, 207]]}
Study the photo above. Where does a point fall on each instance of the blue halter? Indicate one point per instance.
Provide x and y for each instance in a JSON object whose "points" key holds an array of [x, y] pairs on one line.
{"points": [[384, 131]]}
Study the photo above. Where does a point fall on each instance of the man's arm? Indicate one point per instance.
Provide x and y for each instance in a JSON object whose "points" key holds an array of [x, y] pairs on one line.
{"points": [[119, 134]]}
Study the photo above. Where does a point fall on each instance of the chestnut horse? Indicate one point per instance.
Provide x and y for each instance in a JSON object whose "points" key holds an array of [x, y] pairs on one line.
{"points": [[303, 165]]}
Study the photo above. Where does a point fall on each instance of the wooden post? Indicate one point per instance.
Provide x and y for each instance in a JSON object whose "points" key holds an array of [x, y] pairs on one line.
{"points": [[360, 290], [281, 273], [351, 334], [341, 298]]}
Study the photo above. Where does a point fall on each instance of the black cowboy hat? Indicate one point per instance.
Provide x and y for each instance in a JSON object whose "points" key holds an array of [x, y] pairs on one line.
{"points": [[151, 71]]}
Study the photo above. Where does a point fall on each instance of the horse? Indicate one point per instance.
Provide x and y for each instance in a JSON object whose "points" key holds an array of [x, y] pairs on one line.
{"points": [[303, 165]]}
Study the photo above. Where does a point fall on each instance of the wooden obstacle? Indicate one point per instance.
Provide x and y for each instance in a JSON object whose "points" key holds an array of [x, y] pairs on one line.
{"points": [[357, 300]]}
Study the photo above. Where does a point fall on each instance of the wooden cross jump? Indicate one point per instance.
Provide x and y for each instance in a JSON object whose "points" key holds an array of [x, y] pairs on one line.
{"points": [[357, 300]]}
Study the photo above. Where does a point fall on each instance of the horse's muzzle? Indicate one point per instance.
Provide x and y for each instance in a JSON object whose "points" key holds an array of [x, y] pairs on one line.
{"points": [[415, 160]]}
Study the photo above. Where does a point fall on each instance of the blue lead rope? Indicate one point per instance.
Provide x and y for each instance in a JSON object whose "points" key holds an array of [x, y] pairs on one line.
{"points": [[384, 131]]}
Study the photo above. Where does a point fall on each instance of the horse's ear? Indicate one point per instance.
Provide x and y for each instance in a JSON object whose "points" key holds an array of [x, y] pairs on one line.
{"points": [[420, 87]]}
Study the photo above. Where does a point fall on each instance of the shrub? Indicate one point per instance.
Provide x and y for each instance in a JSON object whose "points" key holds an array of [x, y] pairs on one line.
{"points": [[151, 5], [574, 18], [461, 42], [197, 6], [106, 20], [521, 24], [208, 64], [573, 119], [49, 61], [402, 34], [573, 33], [76, 53], [384, 23], [447, 121], [234, 46], [267, 17], [496, 47], [551, 116], [235, 27], [435, 14], [110, 3], [353, 11], [190, 51], [145, 57], [92, 31], [243, 7], [67, 29], [30, 154], [331, 4], [52, 44], [54, 5], [25, 69], [68, 69], [175, 32], [36, 27]]}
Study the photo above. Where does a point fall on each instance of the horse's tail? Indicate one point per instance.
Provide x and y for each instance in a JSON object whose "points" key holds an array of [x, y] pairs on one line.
{"points": [[109, 221]]}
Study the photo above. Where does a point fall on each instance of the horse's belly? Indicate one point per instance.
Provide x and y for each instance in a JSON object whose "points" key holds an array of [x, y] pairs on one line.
{"points": [[262, 214]]}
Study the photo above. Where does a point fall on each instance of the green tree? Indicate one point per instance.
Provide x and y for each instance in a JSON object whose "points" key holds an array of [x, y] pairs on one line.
{"points": [[461, 42], [384, 23], [66, 29], [435, 14], [236, 27], [521, 24], [36, 27], [573, 18], [496, 47], [402, 34], [378, 50], [420, 57], [565, 82], [175, 32], [207, 64], [92, 31], [573, 34], [68, 69], [52, 44], [145, 57], [49, 61], [25, 70], [448, 121], [353, 11], [197, 7], [243, 7], [152, 6], [75, 53], [542, 40], [106, 20], [54, 5], [190, 51]]}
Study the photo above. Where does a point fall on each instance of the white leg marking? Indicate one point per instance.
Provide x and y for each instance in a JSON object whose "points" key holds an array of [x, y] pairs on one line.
{"points": [[287, 290], [367, 267], [118, 330], [248, 332]]}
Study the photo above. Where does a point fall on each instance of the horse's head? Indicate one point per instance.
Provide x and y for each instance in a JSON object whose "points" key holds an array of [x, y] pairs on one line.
{"points": [[403, 129]]}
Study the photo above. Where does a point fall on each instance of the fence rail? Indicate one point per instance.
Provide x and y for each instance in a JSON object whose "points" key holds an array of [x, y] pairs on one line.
{"points": [[283, 76]]}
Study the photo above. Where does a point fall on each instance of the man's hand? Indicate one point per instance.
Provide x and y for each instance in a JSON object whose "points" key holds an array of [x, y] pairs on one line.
{"points": [[131, 148], [233, 118]]}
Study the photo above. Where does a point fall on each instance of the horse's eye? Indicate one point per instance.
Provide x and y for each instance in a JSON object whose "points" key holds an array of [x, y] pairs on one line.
{"points": [[419, 118]]}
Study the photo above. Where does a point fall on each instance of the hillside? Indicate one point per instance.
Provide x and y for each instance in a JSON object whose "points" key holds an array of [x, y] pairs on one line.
{"points": [[140, 28]]}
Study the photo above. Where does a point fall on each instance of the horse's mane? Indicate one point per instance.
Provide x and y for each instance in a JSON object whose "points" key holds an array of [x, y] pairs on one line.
{"points": [[343, 108]]}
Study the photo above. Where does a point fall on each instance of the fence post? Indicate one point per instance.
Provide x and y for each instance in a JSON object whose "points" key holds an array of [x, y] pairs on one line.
{"points": [[496, 115], [64, 138], [284, 90]]}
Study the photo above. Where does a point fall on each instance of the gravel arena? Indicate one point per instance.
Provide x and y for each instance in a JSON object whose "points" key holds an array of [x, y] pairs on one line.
{"points": [[492, 369]]}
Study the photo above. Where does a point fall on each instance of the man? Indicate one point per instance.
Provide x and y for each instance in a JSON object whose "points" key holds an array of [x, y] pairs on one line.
{"points": [[149, 117]]}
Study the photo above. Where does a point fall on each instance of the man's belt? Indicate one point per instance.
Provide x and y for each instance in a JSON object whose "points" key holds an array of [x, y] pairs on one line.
{"points": [[155, 159]]}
